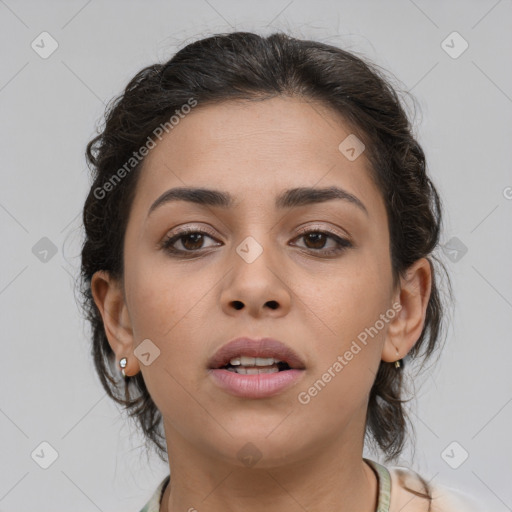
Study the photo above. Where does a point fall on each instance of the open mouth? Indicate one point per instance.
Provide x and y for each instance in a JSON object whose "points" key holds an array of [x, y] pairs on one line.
{"points": [[255, 365], [255, 369]]}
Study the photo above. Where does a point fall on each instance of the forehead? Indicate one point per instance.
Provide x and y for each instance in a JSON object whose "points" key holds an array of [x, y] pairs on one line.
{"points": [[254, 149]]}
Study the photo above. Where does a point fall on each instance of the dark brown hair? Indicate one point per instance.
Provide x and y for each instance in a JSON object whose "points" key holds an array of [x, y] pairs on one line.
{"points": [[246, 66]]}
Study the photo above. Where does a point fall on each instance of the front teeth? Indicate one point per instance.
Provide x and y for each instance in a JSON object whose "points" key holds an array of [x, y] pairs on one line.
{"points": [[253, 371], [253, 361], [253, 365]]}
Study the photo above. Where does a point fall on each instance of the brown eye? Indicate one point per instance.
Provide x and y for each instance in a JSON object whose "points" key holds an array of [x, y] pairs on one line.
{"points": [[316, 241], [191, 241]]}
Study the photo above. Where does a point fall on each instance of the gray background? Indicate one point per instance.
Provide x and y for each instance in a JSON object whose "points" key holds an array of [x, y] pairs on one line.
{"points": [[50, 108]]}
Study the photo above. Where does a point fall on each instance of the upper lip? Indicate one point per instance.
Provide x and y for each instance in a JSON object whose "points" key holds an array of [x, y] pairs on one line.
{"points": [[262, 347]]}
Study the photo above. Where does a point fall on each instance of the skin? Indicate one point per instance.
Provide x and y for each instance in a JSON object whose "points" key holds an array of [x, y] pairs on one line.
{"points": [[311, 455]]}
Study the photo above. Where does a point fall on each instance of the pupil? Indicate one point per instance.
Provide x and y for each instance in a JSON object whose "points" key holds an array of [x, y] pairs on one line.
{"points": [[197, 236], [316, 237]]}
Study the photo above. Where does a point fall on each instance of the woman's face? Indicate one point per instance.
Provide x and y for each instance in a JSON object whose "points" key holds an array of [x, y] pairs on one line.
{"points": [[255, 273]]}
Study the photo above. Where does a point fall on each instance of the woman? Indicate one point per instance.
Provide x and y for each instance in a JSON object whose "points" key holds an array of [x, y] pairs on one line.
{"points": [[258, 266]]}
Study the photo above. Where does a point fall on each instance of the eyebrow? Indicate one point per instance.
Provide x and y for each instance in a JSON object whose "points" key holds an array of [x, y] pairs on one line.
{"points": [[292, 198]]}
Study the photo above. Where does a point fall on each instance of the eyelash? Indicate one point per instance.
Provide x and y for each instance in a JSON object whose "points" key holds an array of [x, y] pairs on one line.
{"points": [[168, 242]]}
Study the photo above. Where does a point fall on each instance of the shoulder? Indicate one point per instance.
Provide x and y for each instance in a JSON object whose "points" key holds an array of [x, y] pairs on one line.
{"points": [[408, 494], [153, 505]]}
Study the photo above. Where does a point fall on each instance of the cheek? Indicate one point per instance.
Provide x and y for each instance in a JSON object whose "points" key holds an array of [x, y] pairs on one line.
{"points": [[347, 351], [165, 308], [348, 298], [172, 307], [348, 305], [161, 302], [331, 398]]}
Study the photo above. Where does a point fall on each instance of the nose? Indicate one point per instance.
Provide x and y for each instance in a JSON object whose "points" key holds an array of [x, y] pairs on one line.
{"points": [[257, 286]]}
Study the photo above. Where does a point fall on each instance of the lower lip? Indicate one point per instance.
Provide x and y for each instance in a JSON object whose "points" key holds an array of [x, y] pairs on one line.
{"points": [[262, 385]]}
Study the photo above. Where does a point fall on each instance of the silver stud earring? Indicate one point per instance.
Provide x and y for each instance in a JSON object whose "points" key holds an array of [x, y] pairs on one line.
{"points": [[122, 363]]}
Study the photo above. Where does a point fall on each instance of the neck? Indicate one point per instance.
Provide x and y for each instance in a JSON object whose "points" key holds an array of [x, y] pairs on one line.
{"points": [[318, 483]]}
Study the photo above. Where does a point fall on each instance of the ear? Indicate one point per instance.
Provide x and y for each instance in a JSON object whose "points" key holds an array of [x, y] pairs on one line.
{"points": [[413, 296], [108, 295]]}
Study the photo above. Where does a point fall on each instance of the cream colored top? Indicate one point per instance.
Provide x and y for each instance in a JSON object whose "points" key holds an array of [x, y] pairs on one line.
{"points": [[393, 497], [444, 498]]}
